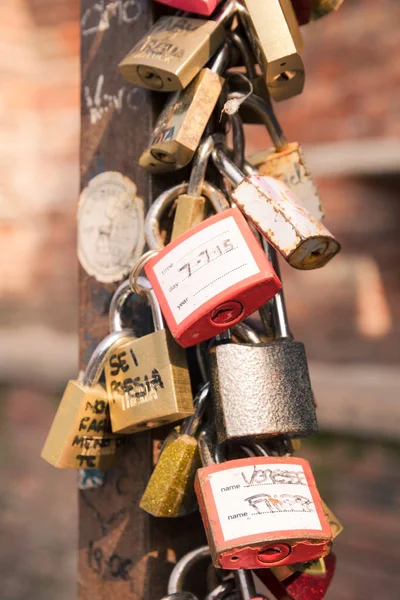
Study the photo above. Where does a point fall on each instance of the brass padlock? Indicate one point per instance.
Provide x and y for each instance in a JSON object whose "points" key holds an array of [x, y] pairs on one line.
{"points": [[182, 122], [285, 161], [273, 31], [320, 8], [147, 378], [80, 436], [175, 49], [170, 490], [276, 213]]}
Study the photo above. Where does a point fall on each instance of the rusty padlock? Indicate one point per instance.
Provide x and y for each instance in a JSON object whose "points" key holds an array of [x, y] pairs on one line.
{"points": [[277, 214], [260, 512]]}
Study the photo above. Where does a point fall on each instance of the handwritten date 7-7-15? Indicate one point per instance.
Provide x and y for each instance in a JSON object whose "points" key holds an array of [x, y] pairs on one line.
{"points": [[205, 257]]}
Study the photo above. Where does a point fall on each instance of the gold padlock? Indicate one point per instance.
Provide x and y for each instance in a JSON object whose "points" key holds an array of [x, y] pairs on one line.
{"points": [[174, 50], [147, 378], [182, 122], [274, 33], [320, 8], [80, 436], [286, 160]]}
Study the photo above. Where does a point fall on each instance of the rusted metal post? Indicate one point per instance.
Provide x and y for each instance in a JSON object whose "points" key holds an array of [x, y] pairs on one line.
{"points": [[123, 553]]}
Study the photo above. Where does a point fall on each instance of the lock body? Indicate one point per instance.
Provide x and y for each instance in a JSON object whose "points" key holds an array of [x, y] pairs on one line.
{"points": [[262, 512], [276, 47], [262, 391], [289, 166], [275, 211], [200, 7], [172, 53], [211, 277], [148, 383], [169, 492], [181, 124], [80, 436]]}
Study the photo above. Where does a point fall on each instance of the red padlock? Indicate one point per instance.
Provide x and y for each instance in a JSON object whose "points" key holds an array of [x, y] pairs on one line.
{"points": [[211, 277], [262, 512], [300, 586], [200, 7]]}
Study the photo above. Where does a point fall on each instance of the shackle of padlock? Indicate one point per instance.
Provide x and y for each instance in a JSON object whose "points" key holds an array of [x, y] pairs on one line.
{"points": [[180, 596], [245, 585], [121, 295], [183, 566], [162, 65], [278, 215]]}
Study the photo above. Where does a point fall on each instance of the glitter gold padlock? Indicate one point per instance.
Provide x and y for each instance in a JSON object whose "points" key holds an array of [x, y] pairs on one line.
{"points": [[170, 491]]}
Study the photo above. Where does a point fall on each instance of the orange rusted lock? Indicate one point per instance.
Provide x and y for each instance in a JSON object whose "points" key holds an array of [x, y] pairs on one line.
{"points": [[262, 512], [211, 277]]}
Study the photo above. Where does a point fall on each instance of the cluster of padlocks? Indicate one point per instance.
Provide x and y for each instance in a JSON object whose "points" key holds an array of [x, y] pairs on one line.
{"points": [[249, 401]]}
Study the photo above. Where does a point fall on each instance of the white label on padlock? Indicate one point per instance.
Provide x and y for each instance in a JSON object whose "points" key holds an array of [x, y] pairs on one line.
{"points": [[205, 264], [263, 498]]}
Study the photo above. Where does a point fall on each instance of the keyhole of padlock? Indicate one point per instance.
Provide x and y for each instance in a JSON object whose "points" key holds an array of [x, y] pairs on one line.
{"points": [[227, 312], [274, 553], [163, 157], [150, 77]]}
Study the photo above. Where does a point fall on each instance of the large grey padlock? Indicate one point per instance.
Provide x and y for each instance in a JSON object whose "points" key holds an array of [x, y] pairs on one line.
{"points": [[263, 390]]}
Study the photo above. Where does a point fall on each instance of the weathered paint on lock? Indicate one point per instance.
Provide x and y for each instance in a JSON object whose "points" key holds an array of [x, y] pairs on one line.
{"points": [[200, 7], [198, 276], [289, 166], [262, 512], [274, 210]]}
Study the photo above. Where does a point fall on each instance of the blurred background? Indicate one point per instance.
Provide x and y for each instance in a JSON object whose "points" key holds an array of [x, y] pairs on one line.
{"points": [[347, 314]]}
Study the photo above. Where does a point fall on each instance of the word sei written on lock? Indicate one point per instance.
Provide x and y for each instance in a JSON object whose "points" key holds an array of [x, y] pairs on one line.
{"points": [[211, 277]]}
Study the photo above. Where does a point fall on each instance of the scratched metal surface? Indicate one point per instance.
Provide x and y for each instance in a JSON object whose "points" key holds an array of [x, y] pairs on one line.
{"points": [[123, 553]]}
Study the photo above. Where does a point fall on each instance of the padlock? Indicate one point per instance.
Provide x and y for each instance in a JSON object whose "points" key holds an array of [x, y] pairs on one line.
{"points": [[333, 521], [182, 122], [211, 277], [260, 512], [286, 161], [278, 215], [200, 7], [175, 49], [320, 8], [170, 490], [277, 46], [147, 378], [263, 391], [301, 586], [80, 436]]}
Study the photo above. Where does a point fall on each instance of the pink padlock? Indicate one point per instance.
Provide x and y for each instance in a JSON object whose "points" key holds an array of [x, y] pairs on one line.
{"points": [[200, 7]]}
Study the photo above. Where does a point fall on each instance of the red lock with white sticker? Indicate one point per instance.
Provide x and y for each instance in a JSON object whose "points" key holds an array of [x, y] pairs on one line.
{"points": [[262, 512], [200, 7], [211, 277]]}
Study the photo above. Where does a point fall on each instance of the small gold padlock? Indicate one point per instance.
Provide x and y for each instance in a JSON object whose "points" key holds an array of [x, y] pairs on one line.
{"points": [[273, 31], [147, 378], [80, 436], [174, 50], [182, 122]]}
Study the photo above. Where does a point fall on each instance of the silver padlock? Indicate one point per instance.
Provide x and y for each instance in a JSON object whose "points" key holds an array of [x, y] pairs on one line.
{"points": [[263, 390]]}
